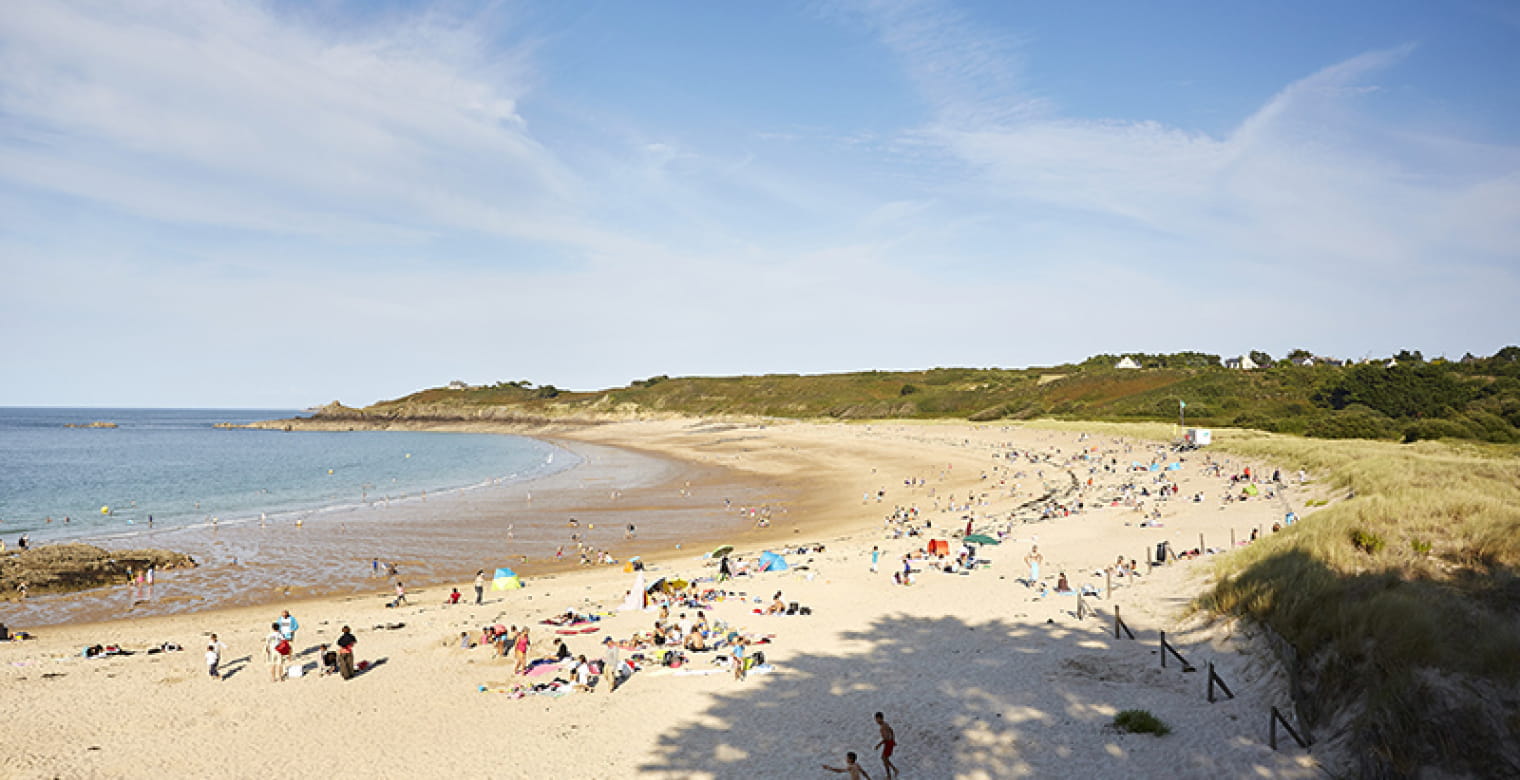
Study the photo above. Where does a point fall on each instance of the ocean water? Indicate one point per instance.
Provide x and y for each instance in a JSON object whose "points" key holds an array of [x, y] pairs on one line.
{"points": [[174, 466]]}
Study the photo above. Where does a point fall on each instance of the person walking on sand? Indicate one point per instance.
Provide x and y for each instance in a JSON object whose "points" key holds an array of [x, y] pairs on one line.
{"points": [[213, 657], [288, 626], [850, 768], [400, 594], [887, 744], [273, 644], [346, 644], [480, 586], [875, 558], [1034, 558]]}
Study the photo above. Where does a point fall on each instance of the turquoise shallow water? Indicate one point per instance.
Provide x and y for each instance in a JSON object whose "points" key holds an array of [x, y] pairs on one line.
{"points": [[173, 465]]}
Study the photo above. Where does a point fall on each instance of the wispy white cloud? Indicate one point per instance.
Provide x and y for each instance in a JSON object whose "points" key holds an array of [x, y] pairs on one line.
{"points": [[221, 114], [1307, 181]]}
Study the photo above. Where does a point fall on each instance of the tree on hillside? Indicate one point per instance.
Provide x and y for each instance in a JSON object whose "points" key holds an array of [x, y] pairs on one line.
{"points": [[1261, 358], [1299, 354], [1405, 356]]}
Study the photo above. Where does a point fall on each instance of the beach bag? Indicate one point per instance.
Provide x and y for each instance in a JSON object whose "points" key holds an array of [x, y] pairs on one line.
{"points": [[283, 648]]}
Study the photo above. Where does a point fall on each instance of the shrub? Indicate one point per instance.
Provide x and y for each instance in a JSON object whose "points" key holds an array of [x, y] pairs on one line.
{"points": [[1367, 541], [1141, 722], [1435, 429], [907, 390], [1420, 546], [1355, 423]]}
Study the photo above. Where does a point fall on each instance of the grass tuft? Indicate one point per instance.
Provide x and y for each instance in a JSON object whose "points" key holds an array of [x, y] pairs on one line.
{"points": [[1141, 722]]}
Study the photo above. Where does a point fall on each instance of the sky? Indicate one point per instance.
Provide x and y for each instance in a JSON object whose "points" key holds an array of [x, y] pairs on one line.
{"points": [[280, 204]]}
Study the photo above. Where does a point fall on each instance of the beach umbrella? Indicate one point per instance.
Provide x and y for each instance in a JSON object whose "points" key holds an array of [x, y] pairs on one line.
{"points": [[722, 551], [982, 539], [678, 584], [657, 585]]}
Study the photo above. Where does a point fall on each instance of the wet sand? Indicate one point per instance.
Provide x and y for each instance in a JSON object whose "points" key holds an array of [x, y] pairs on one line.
{"points": [[438, 538]]}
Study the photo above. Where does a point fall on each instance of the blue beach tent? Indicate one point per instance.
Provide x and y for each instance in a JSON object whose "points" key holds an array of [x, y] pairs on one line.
{"points": [[770, 561], [505, 579]]}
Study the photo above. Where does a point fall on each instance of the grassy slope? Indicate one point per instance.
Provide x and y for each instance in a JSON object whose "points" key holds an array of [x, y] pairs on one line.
{"points": [[1285, 399]]}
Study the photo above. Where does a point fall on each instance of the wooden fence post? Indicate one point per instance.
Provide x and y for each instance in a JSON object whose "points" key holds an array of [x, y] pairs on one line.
{"points": [[1215, 679], [1272, 732]]}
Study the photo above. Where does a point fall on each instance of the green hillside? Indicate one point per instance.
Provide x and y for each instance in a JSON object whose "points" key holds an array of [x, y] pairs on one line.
{"points": [[1476, 398]]}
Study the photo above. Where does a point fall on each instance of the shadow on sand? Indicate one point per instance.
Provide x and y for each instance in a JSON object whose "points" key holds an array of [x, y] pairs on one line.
{"points": [[970, 700]]}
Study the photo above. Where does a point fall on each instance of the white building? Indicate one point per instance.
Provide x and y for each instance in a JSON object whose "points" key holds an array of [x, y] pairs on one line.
{"points": [[1127, 362], [1244, 363]]}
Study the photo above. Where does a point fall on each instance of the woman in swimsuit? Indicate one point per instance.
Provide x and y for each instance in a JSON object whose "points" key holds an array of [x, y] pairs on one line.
{"points": [[520, 649]]}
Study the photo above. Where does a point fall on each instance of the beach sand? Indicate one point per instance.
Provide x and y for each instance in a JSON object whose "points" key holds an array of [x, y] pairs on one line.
{"points": [[978, 677]]}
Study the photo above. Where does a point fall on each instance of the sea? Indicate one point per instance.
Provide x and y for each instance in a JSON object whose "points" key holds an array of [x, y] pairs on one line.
{"points": [[175, 468]]}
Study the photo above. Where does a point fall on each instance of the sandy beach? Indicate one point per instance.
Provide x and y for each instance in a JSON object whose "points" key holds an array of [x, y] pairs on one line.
{"points": [[979, 675]]}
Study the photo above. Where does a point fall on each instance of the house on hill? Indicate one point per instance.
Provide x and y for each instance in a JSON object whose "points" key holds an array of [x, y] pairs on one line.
{"points": [[1302, 361], [1244, 363], [1126, 362], [458, 385]]}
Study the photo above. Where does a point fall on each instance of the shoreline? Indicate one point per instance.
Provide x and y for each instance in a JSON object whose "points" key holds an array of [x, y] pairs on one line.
{"points": [[448, 529], [980, 677]]}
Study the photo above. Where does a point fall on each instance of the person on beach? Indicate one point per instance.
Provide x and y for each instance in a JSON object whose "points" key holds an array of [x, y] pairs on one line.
{"points": [[453, 597], [1034, 559], [725, 571], [582, 673], [738, 659], [610, 666], [887, 744], [480, 586], [875, 558], [346, 643], [213, 658], [288, 626], [274, 643], [850, 768], [400, 594], [520, 652]]}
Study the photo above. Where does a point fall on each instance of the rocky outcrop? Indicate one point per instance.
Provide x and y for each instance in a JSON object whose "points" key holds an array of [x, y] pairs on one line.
{"points": [[65, 568]]}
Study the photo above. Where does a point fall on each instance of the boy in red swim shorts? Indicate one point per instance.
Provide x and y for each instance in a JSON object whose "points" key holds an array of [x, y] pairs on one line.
{"points": [[887, 744]]}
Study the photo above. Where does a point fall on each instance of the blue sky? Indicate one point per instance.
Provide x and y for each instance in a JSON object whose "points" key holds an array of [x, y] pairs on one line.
{"points": [[280, 204]]}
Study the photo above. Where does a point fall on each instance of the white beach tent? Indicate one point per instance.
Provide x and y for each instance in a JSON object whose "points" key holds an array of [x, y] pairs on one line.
{"points": [[635, 600]]}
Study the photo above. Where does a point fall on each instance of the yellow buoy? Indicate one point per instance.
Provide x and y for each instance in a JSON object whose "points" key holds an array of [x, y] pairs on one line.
{"points": [[329, 471], [105, 510]]}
